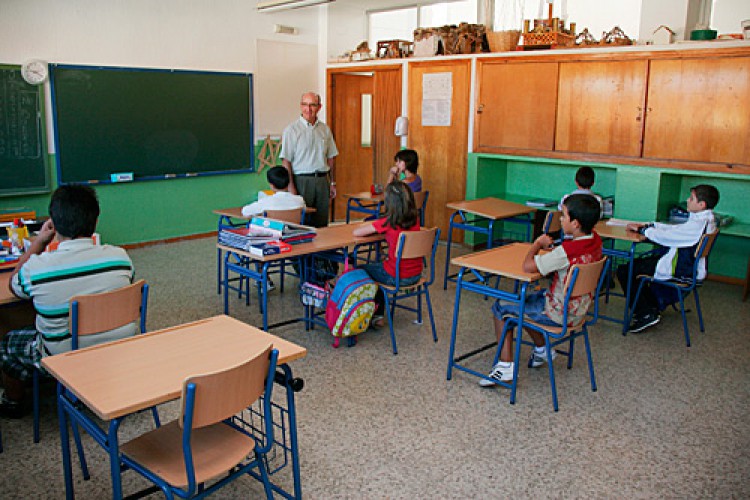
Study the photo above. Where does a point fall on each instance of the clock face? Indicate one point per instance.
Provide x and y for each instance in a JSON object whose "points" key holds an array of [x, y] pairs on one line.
{"points": [[34, 72]]}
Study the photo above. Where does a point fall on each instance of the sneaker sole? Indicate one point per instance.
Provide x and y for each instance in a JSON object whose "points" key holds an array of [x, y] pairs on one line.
{"points": [[645, 325], [491, 383]]}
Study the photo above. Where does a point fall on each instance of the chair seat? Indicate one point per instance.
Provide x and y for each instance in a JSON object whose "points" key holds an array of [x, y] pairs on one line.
{"points": [[419, 283], [555, 330], [216, 449]]}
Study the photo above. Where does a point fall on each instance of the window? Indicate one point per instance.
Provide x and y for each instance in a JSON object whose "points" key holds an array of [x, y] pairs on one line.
{"points": [[399, 24]]}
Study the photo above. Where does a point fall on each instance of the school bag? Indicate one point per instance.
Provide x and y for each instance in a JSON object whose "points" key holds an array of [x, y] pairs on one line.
{"points": [[351, 304]]}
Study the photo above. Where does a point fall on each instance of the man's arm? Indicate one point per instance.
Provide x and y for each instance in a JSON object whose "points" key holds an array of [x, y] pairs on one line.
{"points": [[44, 237], [529, 264], [288, 166]]}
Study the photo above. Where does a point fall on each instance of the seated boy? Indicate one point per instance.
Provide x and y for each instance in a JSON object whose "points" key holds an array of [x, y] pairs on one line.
{"points": [[585, 178], [405, 169], [676, 256], [580, 213], [281, 199], [51, 279]]}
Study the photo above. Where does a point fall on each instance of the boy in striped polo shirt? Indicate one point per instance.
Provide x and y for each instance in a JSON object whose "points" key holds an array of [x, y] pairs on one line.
{"points": [[51, 279]]}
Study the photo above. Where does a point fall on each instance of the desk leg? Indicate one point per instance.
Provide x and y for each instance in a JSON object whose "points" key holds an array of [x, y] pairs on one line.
{"points": [[448, 249], [454, 327], [517, 357], [113, 448], [264, 293], [293, 385], [628, 309]]}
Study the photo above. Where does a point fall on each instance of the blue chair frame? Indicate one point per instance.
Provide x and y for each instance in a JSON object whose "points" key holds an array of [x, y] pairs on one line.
{"points": [[394, 294], [553, 339], [683, 288], [262, 447]]}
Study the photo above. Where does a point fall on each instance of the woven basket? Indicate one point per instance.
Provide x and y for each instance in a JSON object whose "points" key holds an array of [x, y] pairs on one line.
{"points": [[503, 41]]}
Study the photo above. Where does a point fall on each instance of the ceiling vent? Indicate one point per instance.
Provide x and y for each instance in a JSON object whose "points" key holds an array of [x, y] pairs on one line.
{"points": [[277, 5]]}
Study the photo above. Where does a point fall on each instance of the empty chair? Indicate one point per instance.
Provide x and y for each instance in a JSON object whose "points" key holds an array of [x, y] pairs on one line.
{"points": [[420, 200], [295, 216], [202, 444], [582, 279], [552, 223], [681, 287], [411, 245]]}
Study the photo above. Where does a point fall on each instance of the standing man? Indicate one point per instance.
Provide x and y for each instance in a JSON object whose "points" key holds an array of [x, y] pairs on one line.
{"points": [[308, 152]]}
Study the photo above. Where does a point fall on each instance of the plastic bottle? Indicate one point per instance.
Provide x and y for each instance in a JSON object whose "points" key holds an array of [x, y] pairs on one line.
{"points": [[15, 241]]}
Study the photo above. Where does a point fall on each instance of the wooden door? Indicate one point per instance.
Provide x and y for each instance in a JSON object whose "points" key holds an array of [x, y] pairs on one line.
{"points": [[600, 107], [386, 103], [699, 110], [442, 149], [515, 105], [354, 162]]}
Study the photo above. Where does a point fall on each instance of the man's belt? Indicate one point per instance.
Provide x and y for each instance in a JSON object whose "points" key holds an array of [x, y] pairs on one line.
{"points": [[313, 174]]}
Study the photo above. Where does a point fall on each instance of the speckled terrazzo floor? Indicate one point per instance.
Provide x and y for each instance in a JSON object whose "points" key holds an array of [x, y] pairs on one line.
{"points": [[666, 422]]}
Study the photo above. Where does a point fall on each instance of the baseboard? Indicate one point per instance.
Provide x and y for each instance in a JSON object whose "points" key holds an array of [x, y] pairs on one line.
{"points": [[170, 240], [726, 279]]}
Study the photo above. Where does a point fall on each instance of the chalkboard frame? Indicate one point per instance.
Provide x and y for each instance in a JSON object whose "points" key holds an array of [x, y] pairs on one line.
{"points": [[106, 176], [45, 185]]}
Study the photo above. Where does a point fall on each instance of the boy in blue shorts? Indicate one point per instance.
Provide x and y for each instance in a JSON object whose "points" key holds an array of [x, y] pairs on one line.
{"points": [[51, 279], [580, 212]]}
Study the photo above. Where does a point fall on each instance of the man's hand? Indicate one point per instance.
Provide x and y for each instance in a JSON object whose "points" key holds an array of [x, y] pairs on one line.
{"points": [[46, 234], [333, 191]]}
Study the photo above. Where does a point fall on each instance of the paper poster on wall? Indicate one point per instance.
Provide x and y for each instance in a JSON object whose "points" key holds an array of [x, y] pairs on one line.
{"points": [[437, 92]]}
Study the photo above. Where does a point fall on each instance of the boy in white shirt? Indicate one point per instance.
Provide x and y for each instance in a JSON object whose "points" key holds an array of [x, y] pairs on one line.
{"points": [[281, 199], [676, 257], [585, 178]]}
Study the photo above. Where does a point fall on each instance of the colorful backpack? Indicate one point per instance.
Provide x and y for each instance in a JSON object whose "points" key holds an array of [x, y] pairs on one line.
{"points": [[351, 305]]}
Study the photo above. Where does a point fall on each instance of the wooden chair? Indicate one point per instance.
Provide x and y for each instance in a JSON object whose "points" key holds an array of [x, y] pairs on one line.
{"points": [[683, 287], [202, 444], [420, 200], [582, 279], [552, 223], [413, 245], [295, 216]]}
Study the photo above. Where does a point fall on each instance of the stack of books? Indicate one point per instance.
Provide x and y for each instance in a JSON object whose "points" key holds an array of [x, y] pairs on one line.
{"points": [[541, 202], [266, 236]]}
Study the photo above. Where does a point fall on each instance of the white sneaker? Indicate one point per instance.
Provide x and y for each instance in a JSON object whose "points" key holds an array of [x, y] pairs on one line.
{"points": [[539, 358], [501, 372]]}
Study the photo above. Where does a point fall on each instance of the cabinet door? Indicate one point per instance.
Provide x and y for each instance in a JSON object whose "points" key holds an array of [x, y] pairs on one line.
{"points": [[600, 107], [699, 110], [516, 105]]}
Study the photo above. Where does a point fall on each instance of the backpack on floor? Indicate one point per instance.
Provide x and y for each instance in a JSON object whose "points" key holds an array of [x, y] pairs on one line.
{"points": [[351, 304]]}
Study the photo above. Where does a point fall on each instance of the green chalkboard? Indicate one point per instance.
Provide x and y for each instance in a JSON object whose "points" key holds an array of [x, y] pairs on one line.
{"points": [[156, 124], [23, 152]]}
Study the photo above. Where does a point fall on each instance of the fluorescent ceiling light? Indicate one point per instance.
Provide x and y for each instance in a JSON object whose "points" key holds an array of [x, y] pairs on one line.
{"points": [[277, 5]]}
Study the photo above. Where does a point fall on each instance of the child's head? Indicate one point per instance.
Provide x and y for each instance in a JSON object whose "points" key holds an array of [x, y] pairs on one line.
{"points": [[74, 210], [400, 209], [581, 208], [585, 177], [410, 159], [278, 177], [702, 197]]}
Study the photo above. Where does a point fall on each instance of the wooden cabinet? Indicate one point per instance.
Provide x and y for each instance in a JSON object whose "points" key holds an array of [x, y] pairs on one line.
{"points": [[600, 107], [515, 105], [699, 110]]}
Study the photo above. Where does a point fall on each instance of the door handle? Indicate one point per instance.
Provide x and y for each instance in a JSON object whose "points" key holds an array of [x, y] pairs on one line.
{"points": [[480, 109]]}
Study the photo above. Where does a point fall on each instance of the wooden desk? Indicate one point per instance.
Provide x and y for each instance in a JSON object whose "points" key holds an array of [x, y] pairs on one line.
{"points": [[364, 202], [620, 233], [487, 210], [122, 377], [15, 313], [504, 261], [338, 237]]}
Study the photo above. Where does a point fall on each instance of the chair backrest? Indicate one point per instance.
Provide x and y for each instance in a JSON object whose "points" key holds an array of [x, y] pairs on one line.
{"points": [[101, 312], [705, 244], [293, 215], [419, 244], [552, 222], [420, 200], [224, 393], [585, 279]]}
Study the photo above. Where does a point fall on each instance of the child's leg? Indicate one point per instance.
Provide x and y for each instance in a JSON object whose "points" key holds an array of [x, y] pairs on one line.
{"points": [[506, 353]]}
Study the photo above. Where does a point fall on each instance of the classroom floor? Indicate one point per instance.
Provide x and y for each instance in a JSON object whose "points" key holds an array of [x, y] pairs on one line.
{"points": [[666, 422]]}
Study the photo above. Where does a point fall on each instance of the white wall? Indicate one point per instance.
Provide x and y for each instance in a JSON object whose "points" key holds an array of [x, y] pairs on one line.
{"points": [[728, 14], [218, 35], [347, 27]]}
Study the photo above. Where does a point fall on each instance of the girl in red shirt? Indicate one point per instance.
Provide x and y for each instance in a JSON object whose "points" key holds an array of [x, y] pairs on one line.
{"points": [[400, 215]]}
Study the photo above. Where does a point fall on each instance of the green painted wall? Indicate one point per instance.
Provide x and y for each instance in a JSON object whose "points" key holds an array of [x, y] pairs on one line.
{"points": [[145, 211], [641, 193]]}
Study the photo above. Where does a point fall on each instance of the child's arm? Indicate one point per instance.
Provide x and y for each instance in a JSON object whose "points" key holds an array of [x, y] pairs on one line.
{"points": [[392, 174], [365, 229], [529, 264]]}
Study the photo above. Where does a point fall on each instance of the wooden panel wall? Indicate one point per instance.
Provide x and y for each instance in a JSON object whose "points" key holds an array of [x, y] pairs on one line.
{"points": [[442, 150], [386, 108]]}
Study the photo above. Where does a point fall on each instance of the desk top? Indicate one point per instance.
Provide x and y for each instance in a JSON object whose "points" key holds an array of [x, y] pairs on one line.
{"points": [[121, 377], [617, 232], [6, 297], [505, 261], [236, 212], [366, 196], [328, 238], [491, 208]]}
